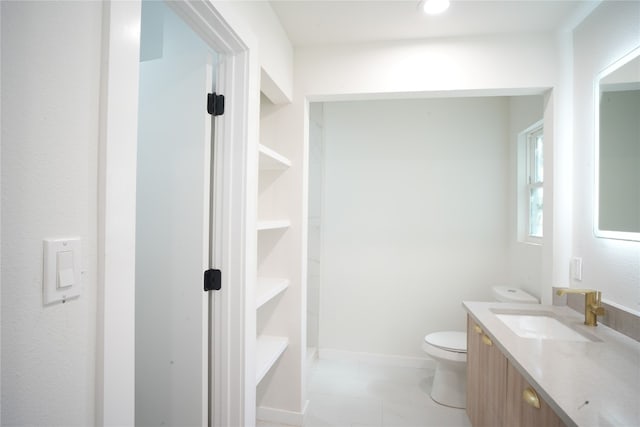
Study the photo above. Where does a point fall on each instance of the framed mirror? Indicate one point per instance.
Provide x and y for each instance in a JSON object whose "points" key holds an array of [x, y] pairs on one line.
{"points": [[617, 150]]}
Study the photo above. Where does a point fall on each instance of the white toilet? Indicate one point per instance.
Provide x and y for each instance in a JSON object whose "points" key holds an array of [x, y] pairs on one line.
{"points": [[449, 349]]}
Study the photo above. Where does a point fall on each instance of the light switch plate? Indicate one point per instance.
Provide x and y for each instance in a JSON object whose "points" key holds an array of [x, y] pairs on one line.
{"points": [[576, 268], [62, 270]]}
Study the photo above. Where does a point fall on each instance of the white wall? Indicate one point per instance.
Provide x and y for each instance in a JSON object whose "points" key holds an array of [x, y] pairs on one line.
{"points": [[275, 49], [416, 218], [525, 259], [611, 266], [51, 82], [448, 64]]}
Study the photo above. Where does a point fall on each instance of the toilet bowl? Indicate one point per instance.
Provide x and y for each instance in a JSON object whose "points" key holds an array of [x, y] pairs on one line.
{"points": [[449, 349]]}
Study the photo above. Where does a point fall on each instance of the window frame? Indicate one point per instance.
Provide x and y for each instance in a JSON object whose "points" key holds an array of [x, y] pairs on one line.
{"points": [[527, 180]]}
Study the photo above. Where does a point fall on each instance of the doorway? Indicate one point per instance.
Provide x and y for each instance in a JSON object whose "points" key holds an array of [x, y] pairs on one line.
{"points": [[173, 214], [237, 80]]}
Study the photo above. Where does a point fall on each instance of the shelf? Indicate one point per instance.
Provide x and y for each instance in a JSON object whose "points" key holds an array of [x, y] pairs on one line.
{"points": [[268, 288], [271, 160], [268, 351], [273, 225]]}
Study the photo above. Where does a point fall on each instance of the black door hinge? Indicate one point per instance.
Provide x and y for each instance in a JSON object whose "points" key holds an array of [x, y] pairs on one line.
{"points": [[215, 104], [212, 280]]}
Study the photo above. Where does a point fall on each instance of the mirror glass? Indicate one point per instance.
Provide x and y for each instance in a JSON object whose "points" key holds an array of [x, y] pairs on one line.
{"points": [[617, 210]]}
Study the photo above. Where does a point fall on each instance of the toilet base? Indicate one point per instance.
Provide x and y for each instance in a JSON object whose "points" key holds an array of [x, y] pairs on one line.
{"points": [[450, 384]]}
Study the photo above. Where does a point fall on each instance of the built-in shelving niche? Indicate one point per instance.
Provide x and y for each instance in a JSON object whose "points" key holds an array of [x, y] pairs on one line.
{"points": [[271, 219]]}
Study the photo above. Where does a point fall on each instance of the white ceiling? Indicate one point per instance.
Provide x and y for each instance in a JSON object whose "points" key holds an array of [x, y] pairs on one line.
{"points": [[317, 22]]}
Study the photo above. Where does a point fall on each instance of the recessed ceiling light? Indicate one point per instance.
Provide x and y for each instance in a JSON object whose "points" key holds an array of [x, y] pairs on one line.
{"points": [[434, 7]]}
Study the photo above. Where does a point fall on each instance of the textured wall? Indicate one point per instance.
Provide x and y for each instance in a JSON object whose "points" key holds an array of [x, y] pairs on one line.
{"points": [[50, 82]]}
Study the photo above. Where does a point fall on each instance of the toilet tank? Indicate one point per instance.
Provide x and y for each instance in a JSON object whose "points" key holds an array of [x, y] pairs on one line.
{"points": [[513, 295]]}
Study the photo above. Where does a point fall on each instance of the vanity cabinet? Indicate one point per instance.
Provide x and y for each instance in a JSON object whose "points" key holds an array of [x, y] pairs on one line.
{"points": [[496, 394], [486, 378]]}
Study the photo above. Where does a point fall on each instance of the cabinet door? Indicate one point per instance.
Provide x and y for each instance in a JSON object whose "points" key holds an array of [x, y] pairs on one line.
{"points": [[520, 410], [473, 372], [486, 379]]}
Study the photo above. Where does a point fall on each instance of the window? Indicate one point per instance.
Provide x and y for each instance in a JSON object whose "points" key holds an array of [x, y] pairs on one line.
{"points": [[531, 179]]}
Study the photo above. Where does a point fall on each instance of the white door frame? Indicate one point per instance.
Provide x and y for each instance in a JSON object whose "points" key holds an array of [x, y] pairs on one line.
{"points": [[238, 79]]}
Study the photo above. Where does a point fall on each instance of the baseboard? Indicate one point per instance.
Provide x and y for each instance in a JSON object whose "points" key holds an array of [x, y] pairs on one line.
{"points": [[377, 359], [312, 354], [281, 416]]}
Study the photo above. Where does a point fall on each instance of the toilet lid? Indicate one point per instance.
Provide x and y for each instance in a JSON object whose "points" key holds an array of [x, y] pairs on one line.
{"points": [[449, 340], [511, 294]]}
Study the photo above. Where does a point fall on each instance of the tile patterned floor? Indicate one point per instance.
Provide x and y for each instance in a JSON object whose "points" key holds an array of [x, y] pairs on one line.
{"points": [[357, 394]]}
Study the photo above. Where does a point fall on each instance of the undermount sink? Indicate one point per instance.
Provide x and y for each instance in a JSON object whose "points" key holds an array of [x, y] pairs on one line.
{"points": [[540, 325]]}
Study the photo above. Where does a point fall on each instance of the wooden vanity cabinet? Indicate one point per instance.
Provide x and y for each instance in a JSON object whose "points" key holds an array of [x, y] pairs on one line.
{"points": [[495, 388], [486, 379], [519, 411]]}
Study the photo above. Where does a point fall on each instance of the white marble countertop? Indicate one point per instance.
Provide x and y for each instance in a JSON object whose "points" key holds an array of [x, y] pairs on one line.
{"points": [[605, 372]]}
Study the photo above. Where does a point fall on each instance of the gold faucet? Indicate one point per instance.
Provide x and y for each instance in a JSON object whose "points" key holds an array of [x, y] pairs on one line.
{"points": [[592, 304]]}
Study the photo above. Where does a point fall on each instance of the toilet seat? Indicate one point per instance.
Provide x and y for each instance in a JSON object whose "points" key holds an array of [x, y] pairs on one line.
{"points": [[453, 341]]}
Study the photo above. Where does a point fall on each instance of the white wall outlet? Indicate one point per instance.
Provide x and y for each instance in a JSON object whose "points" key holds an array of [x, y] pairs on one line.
{"points": [[576, 268], [62, 269]]}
